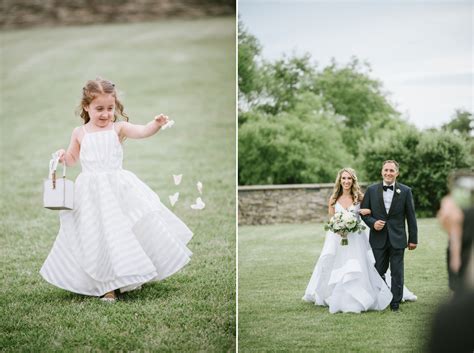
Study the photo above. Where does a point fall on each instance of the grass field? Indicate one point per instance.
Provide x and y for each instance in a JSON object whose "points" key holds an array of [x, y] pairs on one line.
{"points": [[275, 265], [184, 68]]}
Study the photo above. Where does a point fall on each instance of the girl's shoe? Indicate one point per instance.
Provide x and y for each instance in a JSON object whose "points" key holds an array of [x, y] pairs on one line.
{"points": [[109, 297]]}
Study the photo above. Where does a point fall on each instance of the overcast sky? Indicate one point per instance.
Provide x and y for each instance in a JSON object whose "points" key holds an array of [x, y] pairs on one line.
{"points": [[422, 51]]}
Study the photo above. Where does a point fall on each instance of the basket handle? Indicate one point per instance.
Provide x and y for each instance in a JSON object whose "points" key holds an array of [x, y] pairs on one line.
{"points": [[53, 165]]}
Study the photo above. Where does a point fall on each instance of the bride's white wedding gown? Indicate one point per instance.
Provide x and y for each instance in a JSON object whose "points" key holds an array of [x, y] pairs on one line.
{"points": [[408, 296], [345, 278]]}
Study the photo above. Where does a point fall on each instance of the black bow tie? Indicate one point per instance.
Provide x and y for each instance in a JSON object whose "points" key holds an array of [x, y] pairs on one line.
{"points": [[385, 187]]}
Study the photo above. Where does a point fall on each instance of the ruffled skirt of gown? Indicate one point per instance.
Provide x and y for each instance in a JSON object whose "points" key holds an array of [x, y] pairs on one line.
{"points": [[345, 278], [408, 296], [118, 236]]}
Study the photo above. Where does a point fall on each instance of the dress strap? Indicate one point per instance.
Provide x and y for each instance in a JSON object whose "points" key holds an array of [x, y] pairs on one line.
{"points": [[84, 128]]}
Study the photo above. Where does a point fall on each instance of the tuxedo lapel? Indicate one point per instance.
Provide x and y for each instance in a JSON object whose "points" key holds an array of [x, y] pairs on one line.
{"points": [[396, 197], [380, 197]]}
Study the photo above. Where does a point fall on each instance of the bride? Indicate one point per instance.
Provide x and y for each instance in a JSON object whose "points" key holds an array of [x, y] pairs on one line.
{"points": [[345, 278]]}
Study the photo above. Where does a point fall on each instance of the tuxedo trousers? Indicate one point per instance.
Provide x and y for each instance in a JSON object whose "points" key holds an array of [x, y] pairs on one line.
{"points": [[386, 256]]}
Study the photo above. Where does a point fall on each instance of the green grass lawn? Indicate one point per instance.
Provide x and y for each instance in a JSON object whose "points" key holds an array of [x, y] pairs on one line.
{"points": [[183, 68], [275, 265]]}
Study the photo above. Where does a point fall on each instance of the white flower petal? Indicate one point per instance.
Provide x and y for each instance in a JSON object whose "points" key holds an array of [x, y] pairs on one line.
{"points": [[177, 179], [199, 205], [170, 123], [174, 198], [199, 187]]}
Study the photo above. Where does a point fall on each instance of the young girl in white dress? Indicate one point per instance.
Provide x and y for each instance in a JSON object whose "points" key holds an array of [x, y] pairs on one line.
{"points": [[119, 235], [345, 278]]}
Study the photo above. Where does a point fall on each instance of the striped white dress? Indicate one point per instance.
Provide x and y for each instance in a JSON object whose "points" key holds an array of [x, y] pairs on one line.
{"points": [[119, 234]]}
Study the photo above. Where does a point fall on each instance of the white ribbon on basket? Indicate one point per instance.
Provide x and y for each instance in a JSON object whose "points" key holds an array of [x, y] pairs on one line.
{"points": [[57, 194], [53, 165]]}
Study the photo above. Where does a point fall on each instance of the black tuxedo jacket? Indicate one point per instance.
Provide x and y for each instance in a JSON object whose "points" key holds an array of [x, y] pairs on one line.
{"points": [[402, 209]]}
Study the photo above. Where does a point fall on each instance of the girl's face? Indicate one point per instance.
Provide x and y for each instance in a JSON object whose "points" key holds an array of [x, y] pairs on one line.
{"points": [[346, 181], [101, 110]]}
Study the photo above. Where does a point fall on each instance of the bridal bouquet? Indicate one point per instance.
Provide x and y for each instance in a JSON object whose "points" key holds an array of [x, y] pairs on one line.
{"points": [[343, 223]]}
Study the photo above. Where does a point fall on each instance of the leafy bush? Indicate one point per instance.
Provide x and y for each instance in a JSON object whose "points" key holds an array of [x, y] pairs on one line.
{"points": [[426, 160], [302, 147]]}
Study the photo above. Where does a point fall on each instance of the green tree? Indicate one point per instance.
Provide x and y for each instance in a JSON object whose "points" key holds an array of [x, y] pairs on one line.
{"points": [[290, 112], [462, 123], [303, 146], [283, 81], [353, 95], [426, 160], [248, 68], [358, 98]]}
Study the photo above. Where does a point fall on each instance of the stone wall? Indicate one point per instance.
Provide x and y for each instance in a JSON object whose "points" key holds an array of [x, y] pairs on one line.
{"points": [[29, 13], [268, 204]]}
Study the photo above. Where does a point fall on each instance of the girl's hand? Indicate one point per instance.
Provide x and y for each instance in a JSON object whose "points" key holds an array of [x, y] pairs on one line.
{"points": [[365, 211], [161, 119], [61, 154]]}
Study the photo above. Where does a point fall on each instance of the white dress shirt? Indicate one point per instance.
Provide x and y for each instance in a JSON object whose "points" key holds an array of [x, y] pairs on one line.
{"points": [[388, 197]]}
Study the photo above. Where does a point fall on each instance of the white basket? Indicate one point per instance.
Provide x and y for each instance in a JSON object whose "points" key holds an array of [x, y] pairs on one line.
{"points": [[58, 194]]}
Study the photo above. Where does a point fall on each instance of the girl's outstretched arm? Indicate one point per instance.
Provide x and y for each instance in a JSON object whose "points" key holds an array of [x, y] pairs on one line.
{"points": [[141, 131], [72, 154]]}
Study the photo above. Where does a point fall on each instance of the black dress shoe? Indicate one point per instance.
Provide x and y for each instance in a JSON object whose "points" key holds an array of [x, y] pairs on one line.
{"points": [[394, 308]]}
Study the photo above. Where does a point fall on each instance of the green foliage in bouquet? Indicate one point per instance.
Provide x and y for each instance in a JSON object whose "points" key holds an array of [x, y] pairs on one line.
{"points": [[343, 223]]}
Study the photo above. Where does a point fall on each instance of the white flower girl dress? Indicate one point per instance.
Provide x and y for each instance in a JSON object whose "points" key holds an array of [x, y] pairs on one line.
{"points": [[119, 234]]}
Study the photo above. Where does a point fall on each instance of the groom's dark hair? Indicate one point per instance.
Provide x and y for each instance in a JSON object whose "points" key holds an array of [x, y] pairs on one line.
{"points": [[391, 161]]}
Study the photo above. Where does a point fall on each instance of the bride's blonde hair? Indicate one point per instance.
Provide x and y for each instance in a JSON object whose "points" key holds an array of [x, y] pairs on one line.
{"points": [[356, 192]]}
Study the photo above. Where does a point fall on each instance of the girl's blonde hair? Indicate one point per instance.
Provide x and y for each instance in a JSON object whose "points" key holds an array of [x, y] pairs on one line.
{"points": [[91, 90], [356, 192]]}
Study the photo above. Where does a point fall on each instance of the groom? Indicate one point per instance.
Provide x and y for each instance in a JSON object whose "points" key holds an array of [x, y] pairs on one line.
{"points": [[391, 204]]}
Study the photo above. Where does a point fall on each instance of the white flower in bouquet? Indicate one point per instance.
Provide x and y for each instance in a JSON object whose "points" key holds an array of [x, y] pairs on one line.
{"points": [[343, 223]]}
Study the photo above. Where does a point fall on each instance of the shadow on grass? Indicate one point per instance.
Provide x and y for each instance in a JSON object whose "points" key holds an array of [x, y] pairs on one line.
{"points": [[149, 291], [319, 309]]}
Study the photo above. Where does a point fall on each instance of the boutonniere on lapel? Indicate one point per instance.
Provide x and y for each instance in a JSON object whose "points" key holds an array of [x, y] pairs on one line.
{"points": [[398, 191]]}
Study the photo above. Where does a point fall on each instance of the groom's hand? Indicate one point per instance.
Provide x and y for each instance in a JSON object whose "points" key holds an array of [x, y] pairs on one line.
{"points": [[411, 246], [378, 225]]}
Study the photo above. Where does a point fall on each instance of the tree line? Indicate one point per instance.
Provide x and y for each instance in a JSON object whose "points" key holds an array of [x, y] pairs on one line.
{"points": [[299, 123]]}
